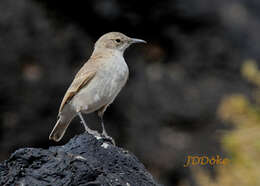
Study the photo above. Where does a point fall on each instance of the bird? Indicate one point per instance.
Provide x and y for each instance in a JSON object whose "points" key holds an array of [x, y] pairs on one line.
{"points": [[96, 84]]}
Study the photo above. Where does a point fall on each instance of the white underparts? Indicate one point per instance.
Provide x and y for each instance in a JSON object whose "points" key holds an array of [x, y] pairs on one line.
{"points": [[96, 97]]}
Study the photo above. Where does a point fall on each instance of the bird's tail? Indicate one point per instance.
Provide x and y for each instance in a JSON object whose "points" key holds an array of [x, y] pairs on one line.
{"points": [[60, 128]]}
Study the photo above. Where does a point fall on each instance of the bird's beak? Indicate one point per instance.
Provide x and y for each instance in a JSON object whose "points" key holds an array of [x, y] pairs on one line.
{"points": [[134, 40]]}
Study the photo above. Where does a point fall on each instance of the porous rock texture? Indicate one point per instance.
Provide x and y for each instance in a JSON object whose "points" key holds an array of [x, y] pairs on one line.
{"points": [[84, 160]]}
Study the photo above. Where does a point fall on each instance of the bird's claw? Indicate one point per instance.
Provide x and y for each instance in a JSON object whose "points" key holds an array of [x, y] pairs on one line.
{"points": [[93, 132], [108, 138]]}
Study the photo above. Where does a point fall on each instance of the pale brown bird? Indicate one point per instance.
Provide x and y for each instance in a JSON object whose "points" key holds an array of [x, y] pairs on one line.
{"points": [[96, 84]]}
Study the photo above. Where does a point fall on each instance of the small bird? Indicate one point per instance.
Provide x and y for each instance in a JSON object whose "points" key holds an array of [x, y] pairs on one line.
{"points": [[97, 83]]}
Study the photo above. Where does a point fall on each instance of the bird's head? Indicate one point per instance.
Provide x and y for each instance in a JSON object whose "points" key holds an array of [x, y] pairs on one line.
{"points": [[116, 41]]}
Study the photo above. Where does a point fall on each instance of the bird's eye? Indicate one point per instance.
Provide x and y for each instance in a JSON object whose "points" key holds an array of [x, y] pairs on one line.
{"points": [[118, 40]]}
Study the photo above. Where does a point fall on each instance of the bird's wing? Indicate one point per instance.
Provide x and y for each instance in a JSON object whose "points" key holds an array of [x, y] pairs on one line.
{"points": [[82, 78]]}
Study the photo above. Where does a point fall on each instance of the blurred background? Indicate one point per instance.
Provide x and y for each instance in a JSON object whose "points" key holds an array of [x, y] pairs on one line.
{"points": [[194, 89]]}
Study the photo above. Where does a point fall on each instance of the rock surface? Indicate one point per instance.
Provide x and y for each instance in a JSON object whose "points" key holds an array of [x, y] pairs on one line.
{"points": [[84, 160]]}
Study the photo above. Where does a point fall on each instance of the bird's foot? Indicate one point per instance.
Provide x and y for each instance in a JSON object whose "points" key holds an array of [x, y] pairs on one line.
{"points": [[93, 132], [108, 138]]}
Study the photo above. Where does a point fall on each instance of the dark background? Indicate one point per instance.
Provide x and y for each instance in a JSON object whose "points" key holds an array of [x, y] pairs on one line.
{"points": [[167, 110]]}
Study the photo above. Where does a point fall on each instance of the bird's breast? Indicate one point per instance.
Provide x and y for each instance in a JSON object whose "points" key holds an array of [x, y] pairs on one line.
{"points": [[114, 75]]}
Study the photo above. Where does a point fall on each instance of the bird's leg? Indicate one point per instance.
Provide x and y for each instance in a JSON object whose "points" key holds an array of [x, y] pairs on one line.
{"points": [[83, 121], [104, 132], [95, 133]]}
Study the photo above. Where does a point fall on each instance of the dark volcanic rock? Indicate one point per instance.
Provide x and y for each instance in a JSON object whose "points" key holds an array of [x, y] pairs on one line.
{"points": [[84, 160]]}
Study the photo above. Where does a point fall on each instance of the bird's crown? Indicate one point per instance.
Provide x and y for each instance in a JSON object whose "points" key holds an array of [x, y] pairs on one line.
{"points": [[115, 40]]}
